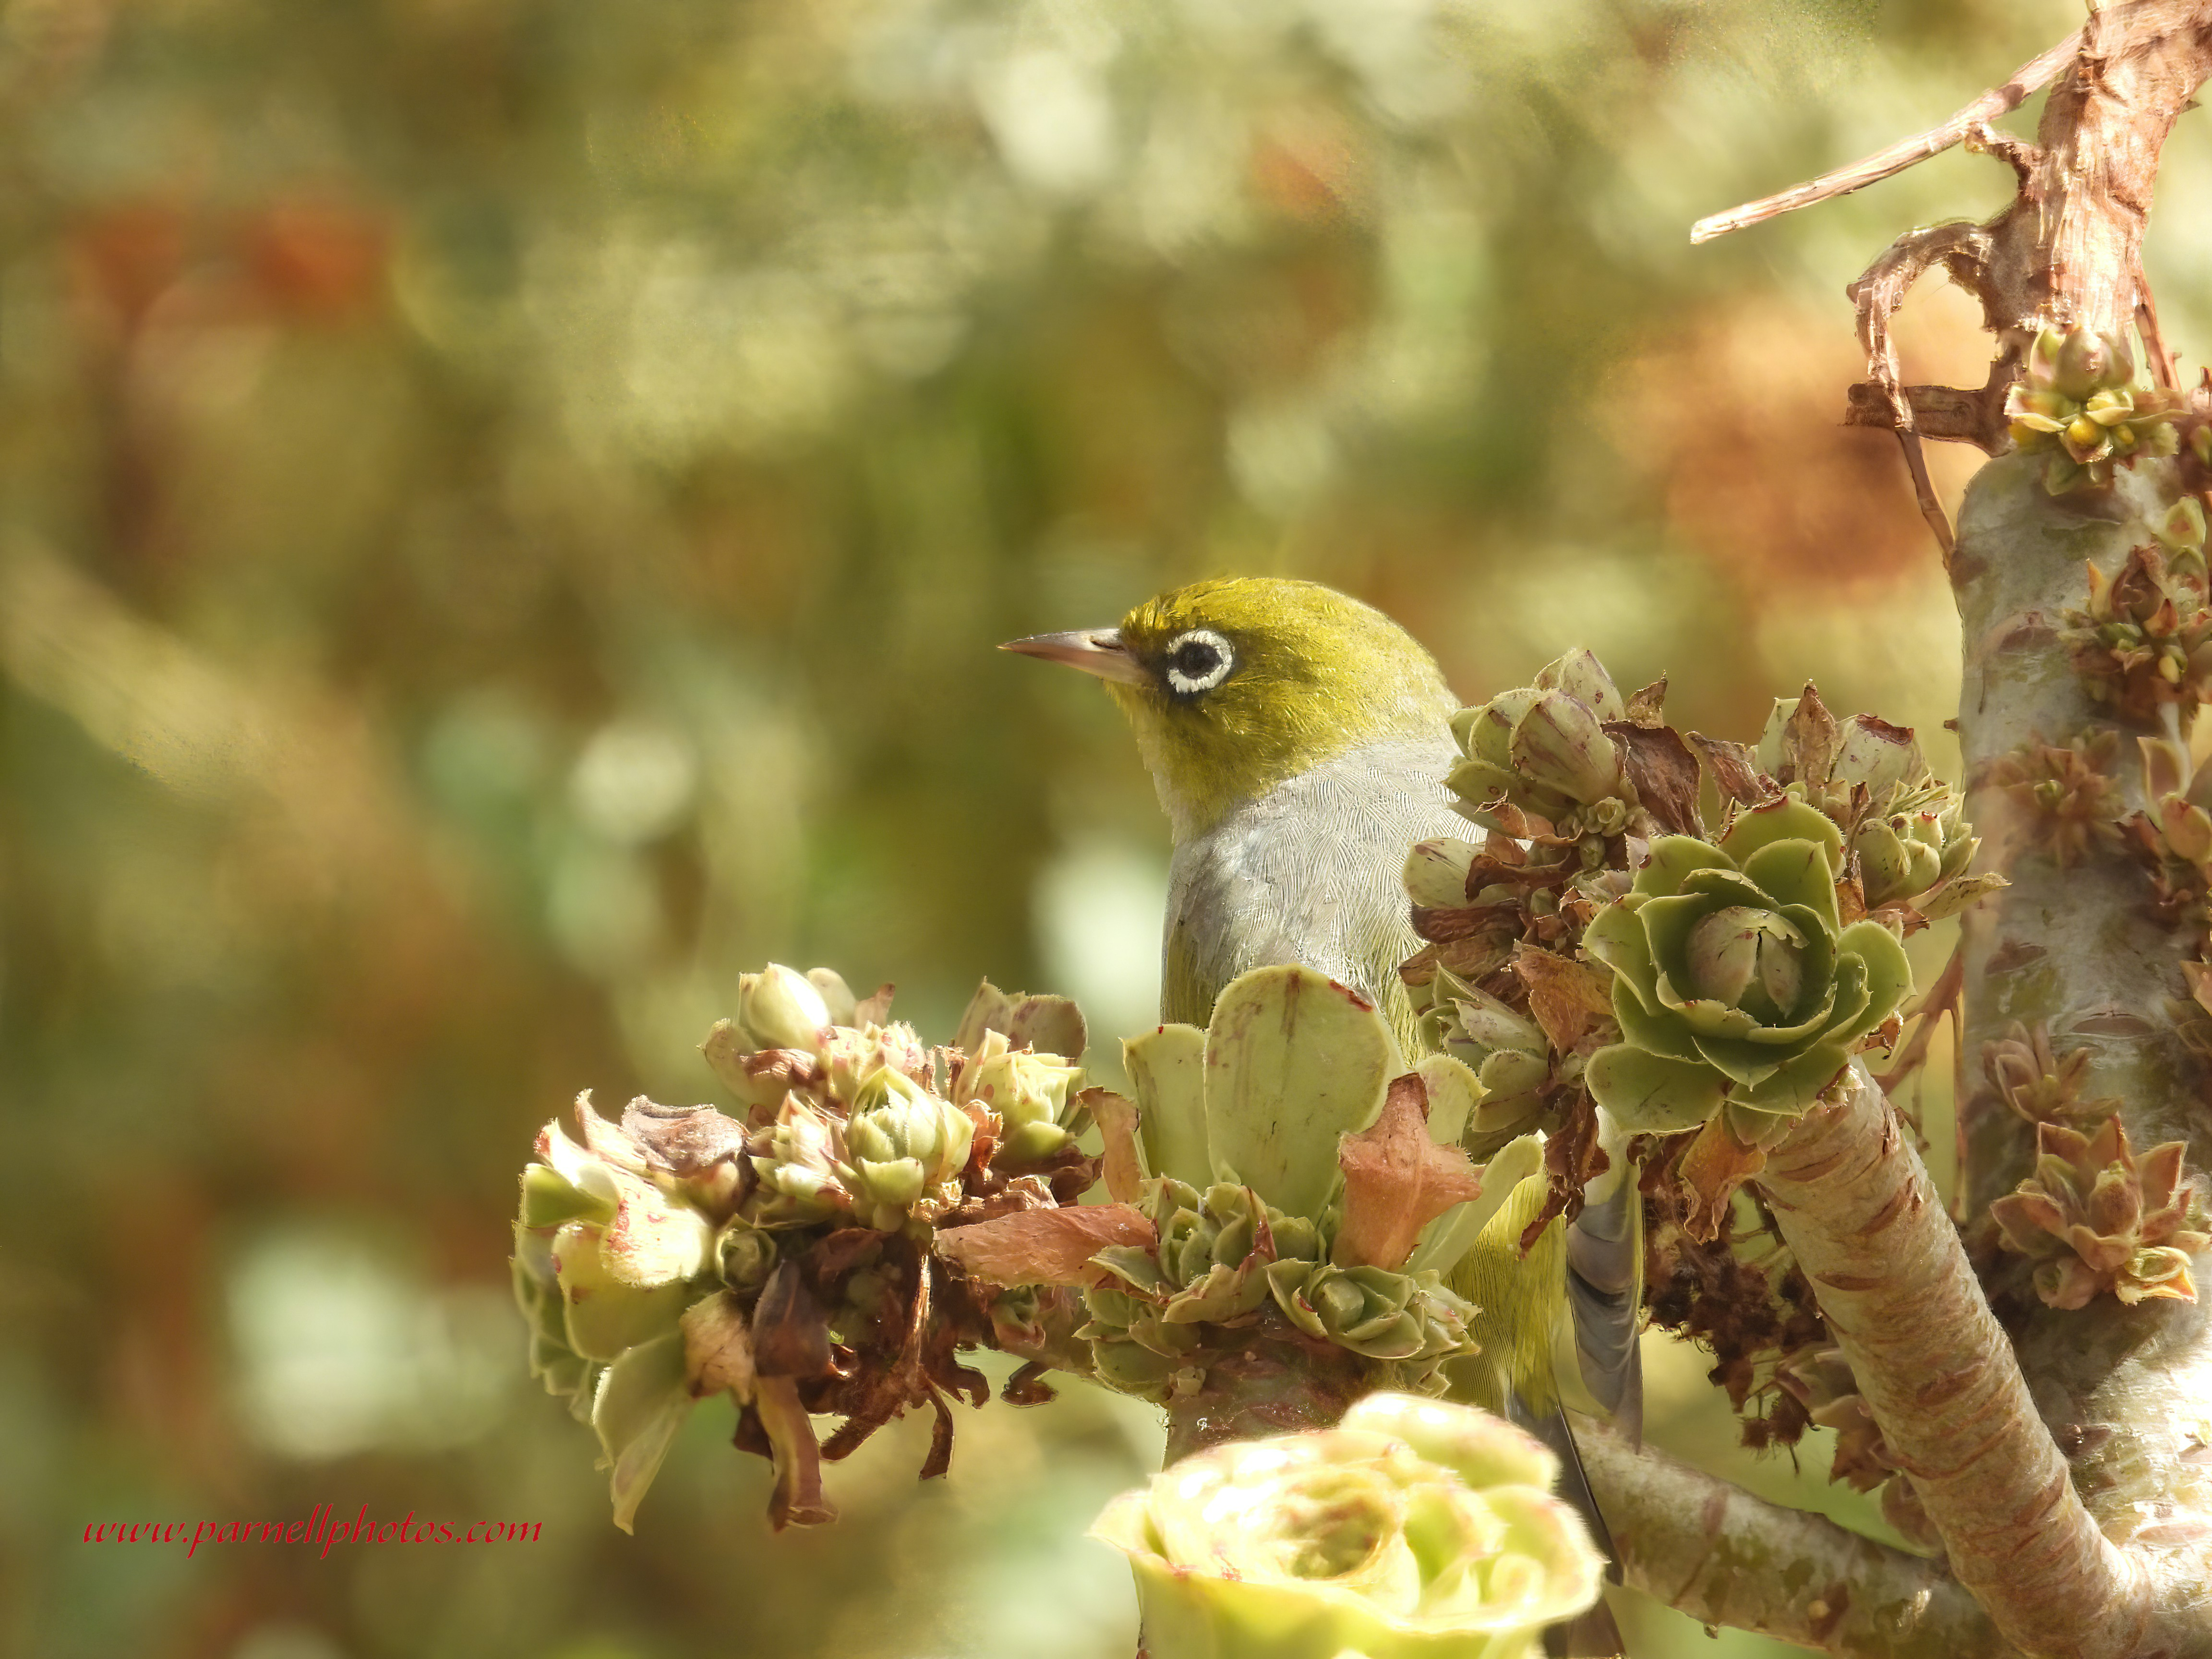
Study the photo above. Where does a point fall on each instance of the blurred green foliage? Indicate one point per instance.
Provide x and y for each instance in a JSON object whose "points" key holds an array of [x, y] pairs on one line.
{"points": [[507, 505]]}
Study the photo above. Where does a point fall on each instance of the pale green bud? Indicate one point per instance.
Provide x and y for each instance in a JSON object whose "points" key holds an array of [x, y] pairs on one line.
{"points": [[615, 1252], [850, 1057], [1559, 745], [1031, 1093], [836, 996], [1486, 733], [746, 1254], [1582, 677], [802, 1164], [1738, 946], [901, 1142], [780, 1009]]}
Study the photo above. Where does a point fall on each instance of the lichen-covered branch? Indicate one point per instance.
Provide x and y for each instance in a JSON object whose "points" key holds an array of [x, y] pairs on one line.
{"points": [[2075, 948], [1856, 1208], [1721, 1555]]}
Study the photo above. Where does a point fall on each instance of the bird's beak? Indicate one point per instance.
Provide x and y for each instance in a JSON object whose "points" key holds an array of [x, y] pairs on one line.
{"points": [[1094, 650]]}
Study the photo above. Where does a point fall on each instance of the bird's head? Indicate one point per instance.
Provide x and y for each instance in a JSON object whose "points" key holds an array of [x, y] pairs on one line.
{"points": [[1236, 685]]}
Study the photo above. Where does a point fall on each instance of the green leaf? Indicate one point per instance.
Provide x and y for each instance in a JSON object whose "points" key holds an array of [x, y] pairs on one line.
{"points": [[1847, 1021], [1741, 1060], [1649, 1095], [1655, 1031], [1452, 1233], [1792, 1090], [1786, 820], [1293, 1060], [1051, 1025], [1487, 735], [1720, 888], [1705, 1016], [1889, 973], [1454, 1093], [1478, 781], [1167, 1070], [548, 1199], [1667, 924], [1674, 857], [1793, 872], [1819, 962], [1616, 938], [642, 1401]]}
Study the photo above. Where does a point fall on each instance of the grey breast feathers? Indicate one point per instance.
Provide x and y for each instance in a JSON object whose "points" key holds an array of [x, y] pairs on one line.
{"points": [[1310, 872]]}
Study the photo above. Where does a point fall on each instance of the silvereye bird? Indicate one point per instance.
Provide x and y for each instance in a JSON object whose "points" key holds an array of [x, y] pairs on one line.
{"points": [[1299, 741]]}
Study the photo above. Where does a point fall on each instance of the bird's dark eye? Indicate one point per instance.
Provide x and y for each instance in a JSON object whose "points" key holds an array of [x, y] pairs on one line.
{"points": [[1197, 661]]}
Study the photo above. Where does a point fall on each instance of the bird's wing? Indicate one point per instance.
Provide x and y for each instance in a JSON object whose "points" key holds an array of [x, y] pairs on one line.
{"points": [[1605, 1284]]}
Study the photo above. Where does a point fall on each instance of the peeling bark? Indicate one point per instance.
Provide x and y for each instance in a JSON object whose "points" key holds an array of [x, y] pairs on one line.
{"points": [[1715, 1552], [1856, 1208]]}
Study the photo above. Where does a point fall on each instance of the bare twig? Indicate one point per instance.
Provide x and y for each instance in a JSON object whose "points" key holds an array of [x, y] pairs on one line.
{"points": [[1928, 1010], [1948, 413], [1924, 487], [2028, 79]]}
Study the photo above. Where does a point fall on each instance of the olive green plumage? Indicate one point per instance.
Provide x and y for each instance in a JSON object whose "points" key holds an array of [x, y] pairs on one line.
{"points": [[1314, 674]]}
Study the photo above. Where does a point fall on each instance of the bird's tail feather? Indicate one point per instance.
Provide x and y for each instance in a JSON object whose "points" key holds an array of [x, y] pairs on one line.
{"points": [[1593, 1634]]}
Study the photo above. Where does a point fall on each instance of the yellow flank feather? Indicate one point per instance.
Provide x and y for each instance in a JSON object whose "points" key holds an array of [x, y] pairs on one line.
{"points": [[1520, 1311]]}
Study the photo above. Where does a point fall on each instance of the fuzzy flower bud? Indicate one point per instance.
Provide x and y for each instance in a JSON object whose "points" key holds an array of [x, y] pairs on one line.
{"points": [[1031, 1093], [781, 1009], [900, 1142]]}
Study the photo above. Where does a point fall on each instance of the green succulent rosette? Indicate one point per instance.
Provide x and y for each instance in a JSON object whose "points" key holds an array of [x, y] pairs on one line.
{"points": [[1270, 1198], [1736, 984], [1033, 1095], [1408, 1318], [1413, 1530], [1210, 1267]]}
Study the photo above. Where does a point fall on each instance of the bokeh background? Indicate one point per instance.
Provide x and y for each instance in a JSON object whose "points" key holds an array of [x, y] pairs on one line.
{"points": [[505, 510]]}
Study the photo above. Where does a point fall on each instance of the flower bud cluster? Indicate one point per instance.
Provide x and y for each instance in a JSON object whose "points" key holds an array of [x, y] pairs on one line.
{"points": [[786, 1256], [1543, 752], [2079, 404], [1223, 1259], [2143, 642], [1905, 830], [1624, 954]]}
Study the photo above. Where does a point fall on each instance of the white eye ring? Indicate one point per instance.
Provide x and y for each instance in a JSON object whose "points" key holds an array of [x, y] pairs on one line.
{"points": [[1189, 685]]}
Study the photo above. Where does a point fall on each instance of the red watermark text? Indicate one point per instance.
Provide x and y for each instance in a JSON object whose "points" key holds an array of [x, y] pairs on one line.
{"points": [[322, 1529]]}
